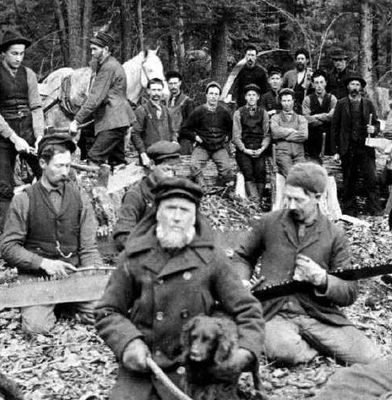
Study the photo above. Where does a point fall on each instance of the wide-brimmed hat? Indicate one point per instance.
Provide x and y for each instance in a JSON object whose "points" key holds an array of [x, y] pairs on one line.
{"points": [[11, 37], [355, 78]]}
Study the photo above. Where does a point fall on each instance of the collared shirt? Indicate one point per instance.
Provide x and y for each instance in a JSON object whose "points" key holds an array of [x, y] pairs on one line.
{"points": [[158, 108], [16, 229]]}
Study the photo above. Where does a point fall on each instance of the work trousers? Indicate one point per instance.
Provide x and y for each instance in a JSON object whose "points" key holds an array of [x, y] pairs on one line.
{"points": [[252, 168], [288, 154], [293, 338], [108, 147], [362, 160]]}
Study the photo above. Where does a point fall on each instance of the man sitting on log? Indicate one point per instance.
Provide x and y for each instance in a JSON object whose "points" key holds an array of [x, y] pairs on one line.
{"points": [[139, 199], [167, 275], [50, 230], [299, 242]]}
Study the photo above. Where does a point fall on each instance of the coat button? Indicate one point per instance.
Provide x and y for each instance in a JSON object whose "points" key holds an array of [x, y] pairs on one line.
{"points": [[159, 316], [180, 370], [187, 275]]}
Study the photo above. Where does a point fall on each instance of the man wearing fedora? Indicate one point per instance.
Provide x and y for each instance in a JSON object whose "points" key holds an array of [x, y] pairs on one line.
{"points": [[107, 104], [21, 116], [50, 230], [338, 74], [355, 119]]}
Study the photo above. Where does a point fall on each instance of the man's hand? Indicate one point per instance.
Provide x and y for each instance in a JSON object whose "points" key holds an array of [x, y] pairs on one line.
{"points": [[73, 127], [336, 157], [198, 139], [306, 270], [257, 153], [135, 356], [145, 159], [371, 129], [294, 136], [56, 267], [19, 143], [248, 152]]}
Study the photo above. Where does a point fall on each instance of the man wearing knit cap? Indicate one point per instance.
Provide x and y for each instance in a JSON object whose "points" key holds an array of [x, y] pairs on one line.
{"points": [[300, 243], [171, 271], [50, 229], [107, 104], [210, 127], [139, 199], [289, 130], [21, 116]]}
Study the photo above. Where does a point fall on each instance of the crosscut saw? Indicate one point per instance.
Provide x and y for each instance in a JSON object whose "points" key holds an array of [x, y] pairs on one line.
{"points": [[87, 284]]}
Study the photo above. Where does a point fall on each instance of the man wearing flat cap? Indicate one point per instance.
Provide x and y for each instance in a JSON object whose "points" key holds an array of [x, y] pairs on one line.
{"points": [[355, 119], [210, 127], [107, 104], [171, 271], [270, 100], [289, 131], [337, 75], [251, 137], [21, 116], [300, 244], [50, 229], [139, 199]]}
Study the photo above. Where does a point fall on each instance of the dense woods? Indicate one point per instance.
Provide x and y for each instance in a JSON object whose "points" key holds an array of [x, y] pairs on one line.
{"points": [[204, 38]]}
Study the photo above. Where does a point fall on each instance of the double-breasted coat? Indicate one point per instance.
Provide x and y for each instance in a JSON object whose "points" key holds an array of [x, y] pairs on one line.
{"points": [[153, 293]]}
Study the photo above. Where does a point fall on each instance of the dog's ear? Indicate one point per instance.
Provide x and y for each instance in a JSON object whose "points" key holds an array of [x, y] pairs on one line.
{"points": [[226, 342]]}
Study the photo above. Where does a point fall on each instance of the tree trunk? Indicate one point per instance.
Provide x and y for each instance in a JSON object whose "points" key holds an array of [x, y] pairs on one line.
{"points": [[74, 33], [63, 31], [86, 27], [366, 60], [139, 13], [180, 33], [126, 32], [375, 36], [219, 51], [172, 51]]}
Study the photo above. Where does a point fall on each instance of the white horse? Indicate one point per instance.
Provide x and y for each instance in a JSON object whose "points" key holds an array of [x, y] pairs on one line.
{"points": [[139, 70]]}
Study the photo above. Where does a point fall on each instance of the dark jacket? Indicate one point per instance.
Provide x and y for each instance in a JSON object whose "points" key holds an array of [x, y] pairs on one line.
{"points": [[341, 124], [270, 101], [180, 111], [107, 101], [149, 129], [136, 203], [152, 294], [335, 82], [275, 239]]}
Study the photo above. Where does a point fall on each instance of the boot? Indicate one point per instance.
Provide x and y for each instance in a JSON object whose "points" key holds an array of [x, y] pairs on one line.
{"points": [[251, 191], [260, 190]]}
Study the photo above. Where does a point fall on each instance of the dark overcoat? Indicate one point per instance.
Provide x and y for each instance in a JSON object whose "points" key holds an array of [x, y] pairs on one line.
{"points": [[275, 239], [152, 294]]}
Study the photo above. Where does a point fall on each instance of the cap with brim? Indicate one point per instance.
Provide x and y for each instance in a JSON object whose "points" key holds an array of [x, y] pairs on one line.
{"points": [[178, 187], [339, 55], [355, 78], [56, 139], [252, 86], [285, 91], [10, 37], [214, 84], [164, 151], [274, 69]]}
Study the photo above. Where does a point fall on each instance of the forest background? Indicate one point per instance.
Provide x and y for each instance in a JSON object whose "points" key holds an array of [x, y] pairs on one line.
{"points": [[205, 38]]}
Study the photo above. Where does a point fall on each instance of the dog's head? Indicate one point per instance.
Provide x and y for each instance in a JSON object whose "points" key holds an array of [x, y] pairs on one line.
{"points": [[208, 339]]}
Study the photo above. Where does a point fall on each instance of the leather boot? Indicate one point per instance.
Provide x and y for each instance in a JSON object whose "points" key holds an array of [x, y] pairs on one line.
{"points": [[260, 190], [251, 191]]}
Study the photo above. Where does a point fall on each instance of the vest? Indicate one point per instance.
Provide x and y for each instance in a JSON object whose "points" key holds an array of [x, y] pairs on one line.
{"points": [[357, 124], [49, 233], [14, 93], [176, 112], [252, 127], [317, 108]]}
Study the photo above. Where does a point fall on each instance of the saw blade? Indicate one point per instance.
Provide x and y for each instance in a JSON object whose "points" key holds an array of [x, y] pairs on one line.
{"points": [[74, 288]]}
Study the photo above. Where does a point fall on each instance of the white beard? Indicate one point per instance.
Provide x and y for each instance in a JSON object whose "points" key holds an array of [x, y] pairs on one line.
{"points": [[173, 239]]}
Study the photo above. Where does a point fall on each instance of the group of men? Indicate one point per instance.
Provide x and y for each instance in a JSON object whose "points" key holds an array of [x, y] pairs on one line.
{"points": [[171, 267]]}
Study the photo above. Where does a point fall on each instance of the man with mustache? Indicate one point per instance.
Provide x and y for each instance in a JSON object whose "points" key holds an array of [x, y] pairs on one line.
{"points": [[354, 119], [299, 79], [171, 271], [251, 73], [21, 116], [153, 122], [50, 230], [338, 74], [107, 104], [300, 243], [139, 199]]}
